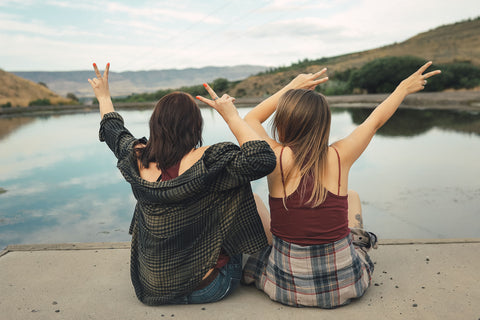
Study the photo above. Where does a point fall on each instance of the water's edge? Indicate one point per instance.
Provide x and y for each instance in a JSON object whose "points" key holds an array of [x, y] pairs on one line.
{"points": [[455, 100]]}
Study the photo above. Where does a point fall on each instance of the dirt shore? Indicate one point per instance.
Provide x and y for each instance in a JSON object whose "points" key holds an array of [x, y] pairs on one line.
{"points": [[458, 100]]}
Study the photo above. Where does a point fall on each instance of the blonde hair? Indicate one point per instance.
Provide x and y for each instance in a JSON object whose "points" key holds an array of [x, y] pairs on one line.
{"points": [[302, 122]]}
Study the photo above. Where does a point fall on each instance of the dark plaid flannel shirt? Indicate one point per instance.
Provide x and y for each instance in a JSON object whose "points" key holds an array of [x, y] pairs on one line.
{"points": [[180, 225]]}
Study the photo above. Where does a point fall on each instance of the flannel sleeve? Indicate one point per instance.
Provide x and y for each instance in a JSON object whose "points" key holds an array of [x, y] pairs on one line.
{"points": [[113, 132]]}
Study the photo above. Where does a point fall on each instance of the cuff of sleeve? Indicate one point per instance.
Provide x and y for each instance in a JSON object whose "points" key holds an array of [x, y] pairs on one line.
{"points": [[106, 119], [255, 145]]}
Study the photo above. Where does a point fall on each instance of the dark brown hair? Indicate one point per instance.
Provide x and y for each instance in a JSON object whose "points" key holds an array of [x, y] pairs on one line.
{"points": [[175, 129], [302, 122]]}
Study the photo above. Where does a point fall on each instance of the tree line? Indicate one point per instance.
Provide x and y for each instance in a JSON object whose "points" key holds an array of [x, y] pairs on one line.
{"points": [[384, 74], [381, 75]]}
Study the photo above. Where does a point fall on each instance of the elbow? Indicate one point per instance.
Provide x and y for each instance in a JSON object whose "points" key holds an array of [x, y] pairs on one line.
{"points": [[263, 161]]}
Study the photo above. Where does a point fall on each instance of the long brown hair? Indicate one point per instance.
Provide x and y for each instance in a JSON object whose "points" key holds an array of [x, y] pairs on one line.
{"points": [[175, 129], [302, 122]]}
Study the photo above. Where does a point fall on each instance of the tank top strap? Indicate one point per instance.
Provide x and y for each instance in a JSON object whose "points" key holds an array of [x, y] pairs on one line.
{"points": [[339, 169], [281, 172]]}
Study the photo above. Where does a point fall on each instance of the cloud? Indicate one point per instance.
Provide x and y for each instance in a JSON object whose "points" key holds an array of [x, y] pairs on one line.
{"points": [[289, 5], [13, 26], [302, 27], [171, 11], [93, 181]]}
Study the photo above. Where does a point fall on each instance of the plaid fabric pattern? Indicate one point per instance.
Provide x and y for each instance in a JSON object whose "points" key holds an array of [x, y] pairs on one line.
{"points": [[180, 225], [325, 276]]}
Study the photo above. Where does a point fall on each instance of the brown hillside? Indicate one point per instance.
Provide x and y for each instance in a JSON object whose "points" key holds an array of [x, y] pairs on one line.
{"points": [[20, 92], [445, 44]]}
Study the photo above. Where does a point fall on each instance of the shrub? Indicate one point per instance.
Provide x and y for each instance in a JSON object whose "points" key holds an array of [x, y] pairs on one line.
{"points": [[40, 102], [71, 96], [384, 74]]}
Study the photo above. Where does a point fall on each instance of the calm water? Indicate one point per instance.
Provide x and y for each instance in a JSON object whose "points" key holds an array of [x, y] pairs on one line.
{"points": [[419, 178]]}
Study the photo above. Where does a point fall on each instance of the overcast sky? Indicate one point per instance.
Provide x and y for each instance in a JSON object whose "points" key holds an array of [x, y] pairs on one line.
{"points": [[56, 35]]}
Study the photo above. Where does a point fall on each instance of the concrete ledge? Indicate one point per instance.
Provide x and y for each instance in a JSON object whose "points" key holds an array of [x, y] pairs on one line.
{"points": [[66, 246], [413, 279], [126, 244]]}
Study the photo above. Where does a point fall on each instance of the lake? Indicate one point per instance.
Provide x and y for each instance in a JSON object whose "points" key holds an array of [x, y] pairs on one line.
{"points": [[419, 177]]}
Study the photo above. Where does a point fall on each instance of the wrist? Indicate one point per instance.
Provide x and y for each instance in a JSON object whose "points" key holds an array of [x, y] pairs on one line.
{"points": [[401, 90], [104, 99]]}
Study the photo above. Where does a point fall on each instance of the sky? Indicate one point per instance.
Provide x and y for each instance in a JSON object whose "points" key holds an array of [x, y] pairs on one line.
{"points": [[56, 35]]}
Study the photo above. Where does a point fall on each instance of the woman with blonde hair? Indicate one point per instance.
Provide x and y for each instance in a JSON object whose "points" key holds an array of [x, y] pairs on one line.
{"points": [[319, 252]]}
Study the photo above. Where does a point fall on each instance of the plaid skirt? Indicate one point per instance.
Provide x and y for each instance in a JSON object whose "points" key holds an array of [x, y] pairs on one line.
{"points": [[325, 276]]}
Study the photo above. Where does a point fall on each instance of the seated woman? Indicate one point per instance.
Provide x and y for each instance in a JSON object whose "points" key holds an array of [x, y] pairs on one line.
{"points": [[195, 213], [319, 253]]}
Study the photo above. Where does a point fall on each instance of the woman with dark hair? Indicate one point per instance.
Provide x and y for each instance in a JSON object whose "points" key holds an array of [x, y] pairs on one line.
{"points": [[195, 213], [319, 253]]}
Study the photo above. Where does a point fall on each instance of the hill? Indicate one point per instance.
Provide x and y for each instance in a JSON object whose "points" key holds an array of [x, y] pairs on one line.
{"points": [[445, 44], [125, 83], [20, 92]]}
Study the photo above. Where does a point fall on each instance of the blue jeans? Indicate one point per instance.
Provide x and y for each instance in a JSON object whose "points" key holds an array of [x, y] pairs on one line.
{"points": [[224, 284]]}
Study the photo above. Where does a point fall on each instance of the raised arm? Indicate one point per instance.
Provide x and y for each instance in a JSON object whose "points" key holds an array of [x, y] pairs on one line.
{"points": [[102, 91], [266, 108], [225, 107], [353, 145]]}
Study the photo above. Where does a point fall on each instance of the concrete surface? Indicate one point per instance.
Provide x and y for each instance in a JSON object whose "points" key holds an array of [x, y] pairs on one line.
{"points": [[414, 279]]}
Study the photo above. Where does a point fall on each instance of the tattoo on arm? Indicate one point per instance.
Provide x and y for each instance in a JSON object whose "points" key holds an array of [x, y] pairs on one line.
{"points": [[359, 219]]}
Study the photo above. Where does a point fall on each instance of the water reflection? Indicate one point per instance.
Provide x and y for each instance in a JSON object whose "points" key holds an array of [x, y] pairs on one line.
{"points": [[9, 125], [58, 183], [410, 122]]}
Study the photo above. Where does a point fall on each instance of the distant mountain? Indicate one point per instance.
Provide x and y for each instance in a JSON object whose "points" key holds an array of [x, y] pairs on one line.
{"points": [[125, 83], [20, 92], [446, 44]]}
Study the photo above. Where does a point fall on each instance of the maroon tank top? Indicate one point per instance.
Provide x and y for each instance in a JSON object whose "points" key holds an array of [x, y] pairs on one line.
{"points": [[172, 173], [304, 225]]}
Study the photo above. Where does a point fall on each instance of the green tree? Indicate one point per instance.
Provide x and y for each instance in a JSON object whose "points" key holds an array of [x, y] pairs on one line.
{"points": [[40, 102], [73, 97], [220, 85], [384, 74]]}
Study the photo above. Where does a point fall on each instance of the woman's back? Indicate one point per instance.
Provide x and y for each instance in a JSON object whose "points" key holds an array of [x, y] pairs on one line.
{"points": [[296, 221], [329, 179]]}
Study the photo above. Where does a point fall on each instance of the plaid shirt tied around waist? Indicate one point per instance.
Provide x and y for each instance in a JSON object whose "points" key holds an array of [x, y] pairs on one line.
{"points": [[324, 276]]}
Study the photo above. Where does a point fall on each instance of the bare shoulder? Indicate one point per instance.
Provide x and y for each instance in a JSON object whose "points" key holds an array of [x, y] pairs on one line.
{"points": [[285, 154], [196, 154]]}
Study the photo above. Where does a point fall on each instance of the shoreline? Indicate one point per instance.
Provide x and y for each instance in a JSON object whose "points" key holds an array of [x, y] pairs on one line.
{"points": [[453, 100]]}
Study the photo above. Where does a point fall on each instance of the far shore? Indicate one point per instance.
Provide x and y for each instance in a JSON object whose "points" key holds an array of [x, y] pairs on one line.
{"points": [[453, 100]]}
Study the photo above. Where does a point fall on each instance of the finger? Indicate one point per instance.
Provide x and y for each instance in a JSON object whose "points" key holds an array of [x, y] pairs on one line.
{"points": [[96, 70], [105, 73], [205, 100], [210, 91], [431, 74], [319, 73], [322, 80], [228, 97], [424, 67], [91, 82]]}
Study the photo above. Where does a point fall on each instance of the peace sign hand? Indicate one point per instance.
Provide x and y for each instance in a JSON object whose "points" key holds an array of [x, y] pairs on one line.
{"points": [[308, 81], [100, 83], [417, 81], [223, 105]]}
